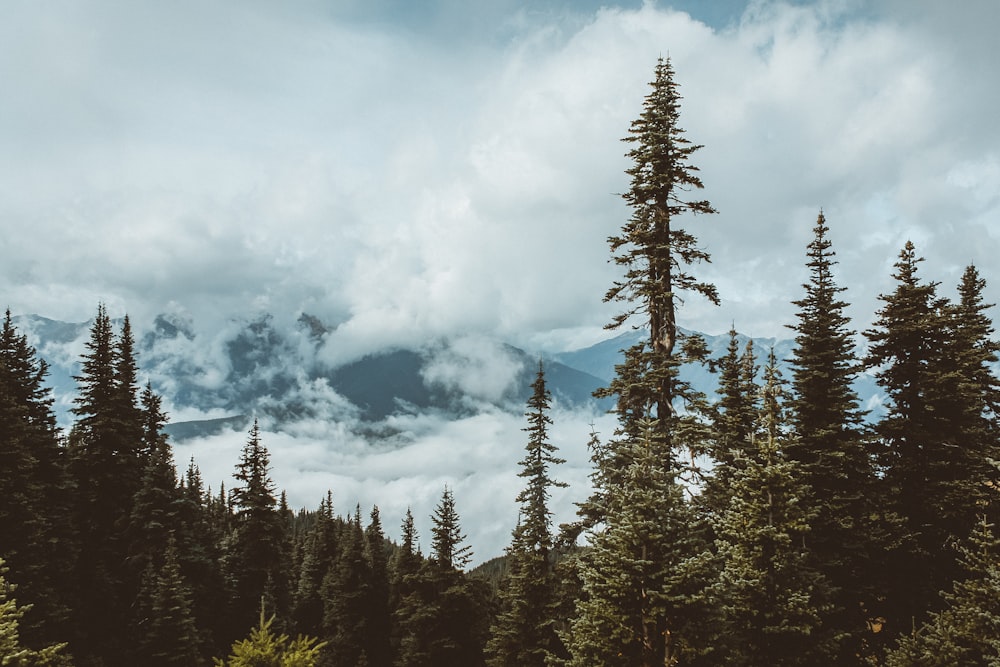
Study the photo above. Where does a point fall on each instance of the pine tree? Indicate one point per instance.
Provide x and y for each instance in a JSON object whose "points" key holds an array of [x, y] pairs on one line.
{"points": [[346, 592], [967, 630], [167, 633], [830, 448], [771, 597], [35, 490], [523, 635], [255, 552], [12, 651], [442, 618], [634, 581], [921, 451], [378, 628]]}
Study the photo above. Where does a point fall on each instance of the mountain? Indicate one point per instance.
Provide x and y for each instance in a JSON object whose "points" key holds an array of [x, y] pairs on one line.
{"points": [[213, 382], [258, 367]]}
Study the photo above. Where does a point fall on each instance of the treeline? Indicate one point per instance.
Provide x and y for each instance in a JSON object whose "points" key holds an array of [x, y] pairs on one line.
{"points": [[772, 524], [120, 561]]}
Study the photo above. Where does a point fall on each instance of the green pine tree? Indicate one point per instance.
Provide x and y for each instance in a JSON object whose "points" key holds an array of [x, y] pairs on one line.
{"points": [[832, 452], [266, 648], [167, 636], [12, 651], [256, 545], [772, 599], [967, 631], [524, 635]]}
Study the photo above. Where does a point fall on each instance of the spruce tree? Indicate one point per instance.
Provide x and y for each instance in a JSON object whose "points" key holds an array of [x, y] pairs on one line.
{"points": [[319, 555], [442, 618], [967, 630], [167, 634], [35, 491], [523, 634], [378, 627], [921, 452], [771, 597], [831, 450], [635, 585], [346, 592], [256, 546], [106, 465]]}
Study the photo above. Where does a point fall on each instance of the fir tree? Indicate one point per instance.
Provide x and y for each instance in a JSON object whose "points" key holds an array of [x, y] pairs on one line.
{"points": [[922, 453], [771, 597], [256, 546], [442, 618], [523, 635], [830, 448], [967, 630], [319, 555], [635, 586], [167, 633], [346, 591], [378, 628], [35, 490], [12, 651]]}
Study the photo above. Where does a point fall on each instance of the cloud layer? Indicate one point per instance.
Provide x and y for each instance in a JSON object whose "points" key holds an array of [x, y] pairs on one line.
{"points": [[410, 174]]}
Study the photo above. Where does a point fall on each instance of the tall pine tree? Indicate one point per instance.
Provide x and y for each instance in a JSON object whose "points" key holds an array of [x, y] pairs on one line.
{"points": [[831, 449], [523, 634]]}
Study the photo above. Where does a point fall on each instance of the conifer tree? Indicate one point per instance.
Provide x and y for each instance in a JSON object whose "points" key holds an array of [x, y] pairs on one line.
{"points": [[346, 592], [319, 555], [831, 450], [636, 576], [167, 634], [633, 578], [378, 626], [921, 452], [771, 597], [967, 630], [255, 552], [35, 490], [12, 651], [523, 635], [442, 618], [266, 648], [105, 463]]}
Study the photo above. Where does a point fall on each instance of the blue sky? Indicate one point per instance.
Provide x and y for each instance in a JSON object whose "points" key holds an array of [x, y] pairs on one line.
{"points": [[410, 170]]}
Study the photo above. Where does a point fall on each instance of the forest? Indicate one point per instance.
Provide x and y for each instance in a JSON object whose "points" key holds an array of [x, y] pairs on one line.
{"points": [[774, 523]]}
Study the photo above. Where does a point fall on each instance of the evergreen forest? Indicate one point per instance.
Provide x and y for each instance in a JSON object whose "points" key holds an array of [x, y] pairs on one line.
{"points": [[772, 524]]}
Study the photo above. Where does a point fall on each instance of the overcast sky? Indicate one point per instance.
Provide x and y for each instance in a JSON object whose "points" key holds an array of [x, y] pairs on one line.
{"points": [[407, 169]]}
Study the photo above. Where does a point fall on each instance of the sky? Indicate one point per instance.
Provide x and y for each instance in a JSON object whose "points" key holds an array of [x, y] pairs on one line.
{"points": [[410, 170]]}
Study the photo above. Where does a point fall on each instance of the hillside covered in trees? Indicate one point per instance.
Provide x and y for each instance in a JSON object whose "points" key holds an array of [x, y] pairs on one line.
{"points": [[770, 524]]}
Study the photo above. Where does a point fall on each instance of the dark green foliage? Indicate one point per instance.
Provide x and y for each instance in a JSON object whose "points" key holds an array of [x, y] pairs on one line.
{"points": [[35, 491], [166, 632], [12, 651], [378, 627], [442, 616], [524, 633], [319, 555], [933, 448], [967, 631], [346, 593], [770, 597], [255, 551], [831, 450]]}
